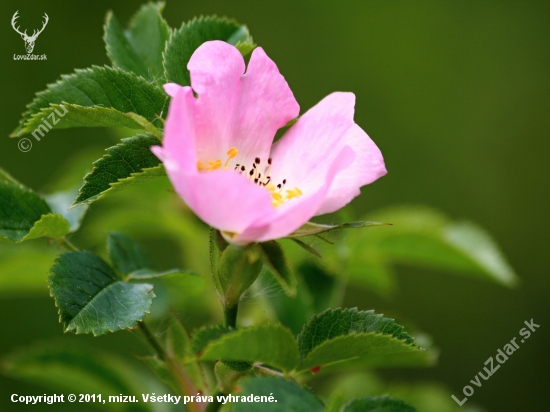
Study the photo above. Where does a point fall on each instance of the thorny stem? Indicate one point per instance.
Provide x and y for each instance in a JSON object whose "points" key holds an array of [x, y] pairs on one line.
{"points": [[183, 381], [230, 316]]}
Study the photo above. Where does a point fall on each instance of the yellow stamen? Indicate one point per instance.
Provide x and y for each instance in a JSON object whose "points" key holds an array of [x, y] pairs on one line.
{"points": [[291, 194], [232, 153], [200, 166], [213, 165], [276, 199]]}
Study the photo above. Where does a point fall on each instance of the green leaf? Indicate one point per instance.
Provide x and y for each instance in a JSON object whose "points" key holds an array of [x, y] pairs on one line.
{"points": [[107, 93], [229, 373], [126, 255], [139, 49], [79, 370], [311, 228], [205, 335], [202, 337], [288, 395], [270, 344], [191, 35], [178, 344], [60, 203], [339, 322], [307, 247], [168, 275], [66, 116], [128, 163], [52, 226], [275, 261], [337, 335], [146, 125], [238, 366], [24, 215], [476, 243], [424, 237], [92, 299], [363, 351], [379, 404]]}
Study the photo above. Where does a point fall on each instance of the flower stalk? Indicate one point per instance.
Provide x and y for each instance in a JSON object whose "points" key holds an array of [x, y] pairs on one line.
{"points": [[230, 316]]}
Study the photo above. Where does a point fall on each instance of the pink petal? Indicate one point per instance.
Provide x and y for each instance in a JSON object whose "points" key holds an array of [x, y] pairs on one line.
{"points": [[367, 167], [287, 218], [178, 146], [236, 110], [172, 89], [267, 104], [223, 199], [308, 149]]}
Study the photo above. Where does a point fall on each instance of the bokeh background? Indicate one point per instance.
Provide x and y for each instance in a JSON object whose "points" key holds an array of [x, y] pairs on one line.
{"points": [[455, 93]]}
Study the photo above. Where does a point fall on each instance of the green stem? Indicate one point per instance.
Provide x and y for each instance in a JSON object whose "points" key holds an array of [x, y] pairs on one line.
{"points": [[214, 406], [230, 316], [65, 242], [183, 381], [156, 346]]}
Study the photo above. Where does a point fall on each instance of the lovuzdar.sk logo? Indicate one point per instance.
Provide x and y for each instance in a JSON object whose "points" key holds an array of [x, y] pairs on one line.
{"points": [[29, 40]]}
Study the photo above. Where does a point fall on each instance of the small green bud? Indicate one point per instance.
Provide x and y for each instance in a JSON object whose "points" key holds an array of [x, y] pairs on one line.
{"points": [[237, 269]]}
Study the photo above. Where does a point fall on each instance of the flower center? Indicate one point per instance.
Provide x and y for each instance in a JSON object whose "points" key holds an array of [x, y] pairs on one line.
{"points": [[256, 175]]}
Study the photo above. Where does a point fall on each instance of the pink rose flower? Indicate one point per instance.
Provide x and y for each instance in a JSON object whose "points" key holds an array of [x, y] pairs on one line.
{"points": [[219, 154]]}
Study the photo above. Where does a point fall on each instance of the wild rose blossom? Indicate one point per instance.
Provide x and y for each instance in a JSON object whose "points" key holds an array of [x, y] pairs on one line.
{"points": [[219, 154]]}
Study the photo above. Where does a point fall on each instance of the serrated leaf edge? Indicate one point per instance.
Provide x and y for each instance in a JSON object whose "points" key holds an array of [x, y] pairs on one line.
{"points": [[355, 310], [76, 329], [133, 175], [24, 122]]}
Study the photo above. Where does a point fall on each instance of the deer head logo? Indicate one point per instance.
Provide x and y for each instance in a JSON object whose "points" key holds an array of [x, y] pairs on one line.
{"points": [[29, 40]]}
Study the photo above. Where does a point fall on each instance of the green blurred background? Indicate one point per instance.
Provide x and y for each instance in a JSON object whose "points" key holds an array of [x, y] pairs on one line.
{"points": [[455, 93]]}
